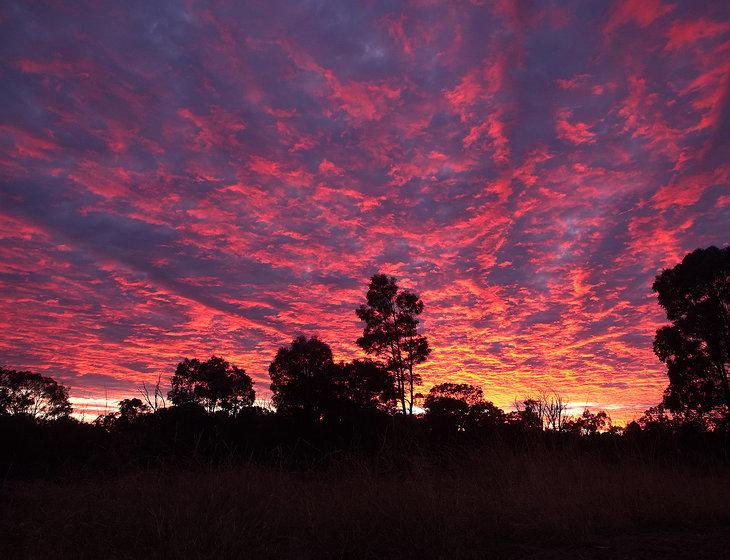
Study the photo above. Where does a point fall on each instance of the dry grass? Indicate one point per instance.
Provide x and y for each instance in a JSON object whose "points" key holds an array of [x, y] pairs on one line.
{"points": [[490, 505]]}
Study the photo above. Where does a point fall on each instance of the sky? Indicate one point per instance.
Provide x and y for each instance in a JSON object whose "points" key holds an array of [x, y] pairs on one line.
{"points": [[186, 179]]}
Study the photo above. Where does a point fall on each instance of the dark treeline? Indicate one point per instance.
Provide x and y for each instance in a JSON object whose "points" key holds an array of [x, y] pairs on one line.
{"points": [[322, 408]]}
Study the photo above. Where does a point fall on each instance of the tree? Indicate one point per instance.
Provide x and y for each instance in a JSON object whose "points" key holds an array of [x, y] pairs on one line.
{"points": [[391, 332], [552, 409], [156, 400], [364, 385], [588, 423], [485, 416], [307, 383], [215, 384], [660, 419], [302, 378], [457, 407], [24, 392], [129, 409], [696, 345], [547, 411], [528, 415], [461, 392]]}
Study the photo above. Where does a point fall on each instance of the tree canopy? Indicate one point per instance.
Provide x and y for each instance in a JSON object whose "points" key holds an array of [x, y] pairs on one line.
{"points": [[391, 332], [460, 407], [25, 392], [588, 423], [301, 378], [129, 409], [215, 384], [695, 346], [365, 384], [306, 382]]}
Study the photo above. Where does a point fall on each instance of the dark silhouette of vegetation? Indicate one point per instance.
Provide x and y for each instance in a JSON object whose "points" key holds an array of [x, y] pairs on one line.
{"points": [[215, 384], [391, 332], [696, 345], [527, 415], [366, 385], [129, 409], [352, 424], [459, 407], [154, 399], [588, 423], [308, 386], [32, 394], [302, 379], [364, 405]]}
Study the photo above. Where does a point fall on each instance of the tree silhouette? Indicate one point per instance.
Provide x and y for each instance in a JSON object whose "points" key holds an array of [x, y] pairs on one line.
{"points": [[391, 332], [364, 384], [306, 383], [659, 419], [156, 399], [485, 416], [129, 409], [215, 384], [462, 392], [447, 405], [302, 378], [528, 415], [696, 345], [24, 392], [552, 409], [455, 407], [588, 423]]}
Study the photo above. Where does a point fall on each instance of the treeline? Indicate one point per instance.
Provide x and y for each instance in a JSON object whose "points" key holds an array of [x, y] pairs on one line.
{"points": [[209, 415], [320, 406]]}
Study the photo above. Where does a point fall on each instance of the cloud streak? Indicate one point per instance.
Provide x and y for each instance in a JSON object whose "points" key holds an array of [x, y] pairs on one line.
{"points": [[182, 179]]}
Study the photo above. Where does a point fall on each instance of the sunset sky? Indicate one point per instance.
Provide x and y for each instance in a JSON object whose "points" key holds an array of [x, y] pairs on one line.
{"points": [[181, 179]]}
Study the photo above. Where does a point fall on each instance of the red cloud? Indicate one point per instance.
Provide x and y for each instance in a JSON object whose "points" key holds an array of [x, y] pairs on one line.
{"points": [[686, 191], [639, 12], [576, 132], [396, 28], [233, 178], [683, 33]]}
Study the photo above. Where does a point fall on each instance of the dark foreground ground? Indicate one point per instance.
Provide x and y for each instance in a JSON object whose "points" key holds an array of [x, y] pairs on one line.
{"points": [[487, 505]]}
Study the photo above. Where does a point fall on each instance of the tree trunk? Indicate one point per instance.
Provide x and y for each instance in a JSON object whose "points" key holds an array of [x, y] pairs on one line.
{"points": [[397, 359], [410, 382], [725, 385]]}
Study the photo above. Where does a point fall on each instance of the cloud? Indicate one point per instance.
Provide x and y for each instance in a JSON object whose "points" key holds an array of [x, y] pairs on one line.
{"points": [[641, 13], [216, 179]]}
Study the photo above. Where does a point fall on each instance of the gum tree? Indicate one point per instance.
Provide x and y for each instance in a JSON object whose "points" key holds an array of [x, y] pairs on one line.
{"points": [[391, 333]]}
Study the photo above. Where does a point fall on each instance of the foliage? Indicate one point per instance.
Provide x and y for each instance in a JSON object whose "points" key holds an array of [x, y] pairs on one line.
{"points": [[527, 415], [460, 407], [132, 408], [364, 384], [306, 383], [588, 423], [696, 345], [447, 406], [24, 392], [391, 332], [460, 392], [215, 384], [302, 378]]}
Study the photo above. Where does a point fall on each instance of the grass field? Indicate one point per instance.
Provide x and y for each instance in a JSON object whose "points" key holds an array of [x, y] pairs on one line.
{"points": [[484, 504]]}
